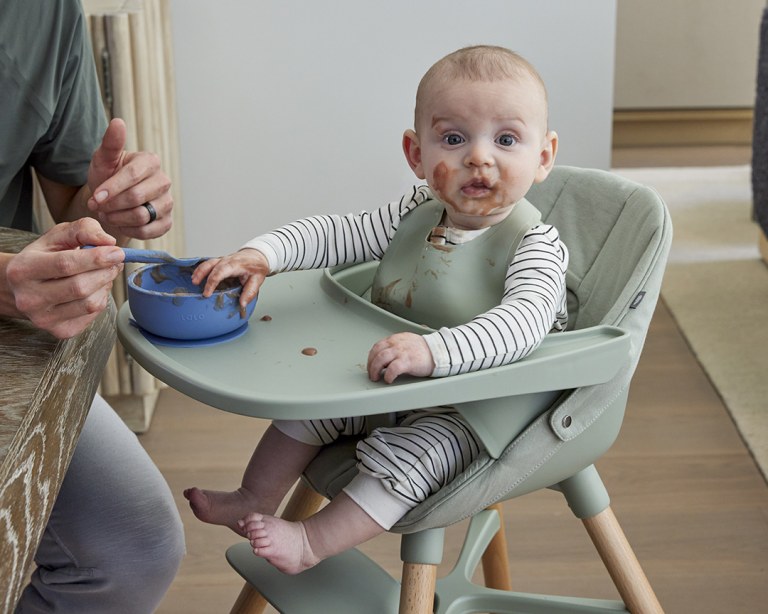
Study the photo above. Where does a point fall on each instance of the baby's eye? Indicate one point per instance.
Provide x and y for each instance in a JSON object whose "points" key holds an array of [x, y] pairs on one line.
{"points": [[506, 140], [453, 139]]}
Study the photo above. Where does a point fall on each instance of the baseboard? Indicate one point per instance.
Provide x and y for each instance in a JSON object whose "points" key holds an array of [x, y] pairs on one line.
{"points": [[135, 410], [682, 127]]}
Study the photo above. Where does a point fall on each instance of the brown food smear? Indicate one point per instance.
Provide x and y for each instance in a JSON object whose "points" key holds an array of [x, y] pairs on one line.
{"points": [[309, 351], [157, 275], [266, 318]]}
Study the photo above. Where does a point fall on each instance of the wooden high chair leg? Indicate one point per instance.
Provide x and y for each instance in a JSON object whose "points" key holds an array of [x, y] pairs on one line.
{"points": [[304, 502], [417, 590], [495, 558], [622, 564]]}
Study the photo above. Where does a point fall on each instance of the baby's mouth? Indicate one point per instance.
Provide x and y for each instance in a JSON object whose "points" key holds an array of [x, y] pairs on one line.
{"points": [[477, 187]]}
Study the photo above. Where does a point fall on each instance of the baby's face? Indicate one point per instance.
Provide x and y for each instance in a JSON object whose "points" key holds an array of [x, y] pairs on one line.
{"points": [[481, 145]]}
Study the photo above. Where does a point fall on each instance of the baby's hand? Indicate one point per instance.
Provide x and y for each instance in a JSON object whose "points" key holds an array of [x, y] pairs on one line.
{"points": [[398, 354], [250, 266]]}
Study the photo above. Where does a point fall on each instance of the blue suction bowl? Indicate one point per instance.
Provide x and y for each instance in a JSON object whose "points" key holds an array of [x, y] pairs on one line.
{"points": [[166, 303]]}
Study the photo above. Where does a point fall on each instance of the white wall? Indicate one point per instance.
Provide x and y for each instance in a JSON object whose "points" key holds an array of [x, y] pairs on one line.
{"points": [[687, 53], [290, 108]]}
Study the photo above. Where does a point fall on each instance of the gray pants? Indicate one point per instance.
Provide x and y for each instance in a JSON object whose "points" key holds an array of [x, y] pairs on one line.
{"points": [[114, 540]]}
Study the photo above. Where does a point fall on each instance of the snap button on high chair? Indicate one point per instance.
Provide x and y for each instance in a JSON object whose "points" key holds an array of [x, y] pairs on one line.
{"points": [[545, 420]]}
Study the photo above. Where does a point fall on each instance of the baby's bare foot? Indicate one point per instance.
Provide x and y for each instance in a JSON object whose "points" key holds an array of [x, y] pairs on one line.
{"points": [[282, 543], [221, 507]]}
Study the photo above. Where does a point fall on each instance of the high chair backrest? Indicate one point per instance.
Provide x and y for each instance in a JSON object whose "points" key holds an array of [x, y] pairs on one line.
{"points": [[614, 236], [618, 235]]}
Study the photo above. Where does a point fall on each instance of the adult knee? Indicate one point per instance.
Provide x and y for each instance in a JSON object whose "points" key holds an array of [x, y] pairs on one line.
{"points": [[146, 554]]}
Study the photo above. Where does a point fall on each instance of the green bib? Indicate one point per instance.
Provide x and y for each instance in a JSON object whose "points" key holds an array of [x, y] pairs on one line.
{"points": [[447, 285]]}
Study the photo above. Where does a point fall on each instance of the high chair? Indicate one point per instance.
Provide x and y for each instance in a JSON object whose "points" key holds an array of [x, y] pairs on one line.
{"points": [[545, 420]]}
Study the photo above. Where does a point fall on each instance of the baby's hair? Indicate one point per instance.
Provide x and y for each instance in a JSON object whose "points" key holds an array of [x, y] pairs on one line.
{"points": [[477, 63]]}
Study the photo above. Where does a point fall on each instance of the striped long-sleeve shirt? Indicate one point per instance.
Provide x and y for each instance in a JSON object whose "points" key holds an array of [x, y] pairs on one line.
{"points": [[533, 301]]}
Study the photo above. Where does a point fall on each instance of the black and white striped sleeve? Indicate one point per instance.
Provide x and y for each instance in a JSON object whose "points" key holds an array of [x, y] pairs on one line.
{"points": [[328, 240], [533, 304]]}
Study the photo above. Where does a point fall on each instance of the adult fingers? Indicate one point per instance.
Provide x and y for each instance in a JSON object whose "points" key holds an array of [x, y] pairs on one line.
{"points": [[138, 222], [68, 319], [53, 256], [71, 235], [139, 179]]}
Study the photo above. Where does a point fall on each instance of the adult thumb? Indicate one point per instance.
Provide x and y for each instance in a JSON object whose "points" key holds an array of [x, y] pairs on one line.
{"points": [[109, 154]]}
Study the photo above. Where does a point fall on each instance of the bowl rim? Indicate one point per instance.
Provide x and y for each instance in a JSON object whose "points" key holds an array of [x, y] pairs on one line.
{"points": [[236, 291]]}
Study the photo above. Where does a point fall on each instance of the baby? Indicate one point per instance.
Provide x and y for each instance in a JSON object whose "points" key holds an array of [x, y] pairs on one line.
{"points": [[465, 254]]}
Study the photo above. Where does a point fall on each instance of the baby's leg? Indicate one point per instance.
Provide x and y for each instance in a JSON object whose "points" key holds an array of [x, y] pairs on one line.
{"points": [[293, 547], [276, 464]]}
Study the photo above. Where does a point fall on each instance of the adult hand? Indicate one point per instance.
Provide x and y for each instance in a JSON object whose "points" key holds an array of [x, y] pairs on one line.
{"points": [[248, 265], [122, 182], [62, 289], [398, 354]]}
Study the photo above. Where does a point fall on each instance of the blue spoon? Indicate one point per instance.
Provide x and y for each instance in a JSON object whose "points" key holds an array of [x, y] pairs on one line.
{"points": [[154, 256]]}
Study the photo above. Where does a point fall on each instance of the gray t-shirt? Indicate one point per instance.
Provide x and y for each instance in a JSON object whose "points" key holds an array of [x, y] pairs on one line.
{"points": [[51, 114]]}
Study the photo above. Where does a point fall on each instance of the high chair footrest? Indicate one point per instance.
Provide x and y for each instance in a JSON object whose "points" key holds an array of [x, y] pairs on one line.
{"points": [[349, 583]]}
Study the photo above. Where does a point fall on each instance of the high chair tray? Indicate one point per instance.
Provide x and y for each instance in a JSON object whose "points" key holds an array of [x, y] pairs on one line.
{"points": [[305, 349]]}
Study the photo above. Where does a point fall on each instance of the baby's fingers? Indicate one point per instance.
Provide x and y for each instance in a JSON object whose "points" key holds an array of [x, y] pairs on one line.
{"points": [[223, 269], [250, 289], [203, 269]]}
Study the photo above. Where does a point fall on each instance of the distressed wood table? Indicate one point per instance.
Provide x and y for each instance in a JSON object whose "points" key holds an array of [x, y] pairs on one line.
{"points": [[46, 390]]}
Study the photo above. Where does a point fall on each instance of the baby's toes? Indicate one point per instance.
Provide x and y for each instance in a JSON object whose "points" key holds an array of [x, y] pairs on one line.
{"points": [[260, 544], [252, 522], [252, 517]]}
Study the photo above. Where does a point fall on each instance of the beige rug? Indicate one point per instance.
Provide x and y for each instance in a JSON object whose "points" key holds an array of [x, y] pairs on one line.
{"points": [[716, 286]]}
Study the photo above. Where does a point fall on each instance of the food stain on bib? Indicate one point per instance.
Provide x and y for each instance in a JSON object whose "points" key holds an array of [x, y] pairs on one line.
{"points": [[309, 351]]}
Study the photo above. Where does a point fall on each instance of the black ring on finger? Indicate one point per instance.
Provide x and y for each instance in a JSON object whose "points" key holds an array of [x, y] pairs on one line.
{"points": [[152, 212]]}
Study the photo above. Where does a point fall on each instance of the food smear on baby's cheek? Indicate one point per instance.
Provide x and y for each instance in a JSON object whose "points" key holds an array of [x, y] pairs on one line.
{"points": [[440, 176]]}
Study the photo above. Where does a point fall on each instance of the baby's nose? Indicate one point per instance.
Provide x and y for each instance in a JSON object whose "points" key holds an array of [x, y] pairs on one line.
{"points": [[479, 154]]}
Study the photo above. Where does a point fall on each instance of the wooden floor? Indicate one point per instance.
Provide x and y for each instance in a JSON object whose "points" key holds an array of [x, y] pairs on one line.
{"points": [[683, 485]]}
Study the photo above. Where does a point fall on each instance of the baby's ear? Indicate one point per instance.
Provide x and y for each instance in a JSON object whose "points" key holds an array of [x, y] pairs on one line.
{"points": [[412, 151], [548, 154]]}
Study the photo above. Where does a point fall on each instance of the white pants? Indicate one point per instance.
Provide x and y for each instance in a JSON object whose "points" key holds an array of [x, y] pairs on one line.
{"points": [[114, 540], [399, 465]]}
